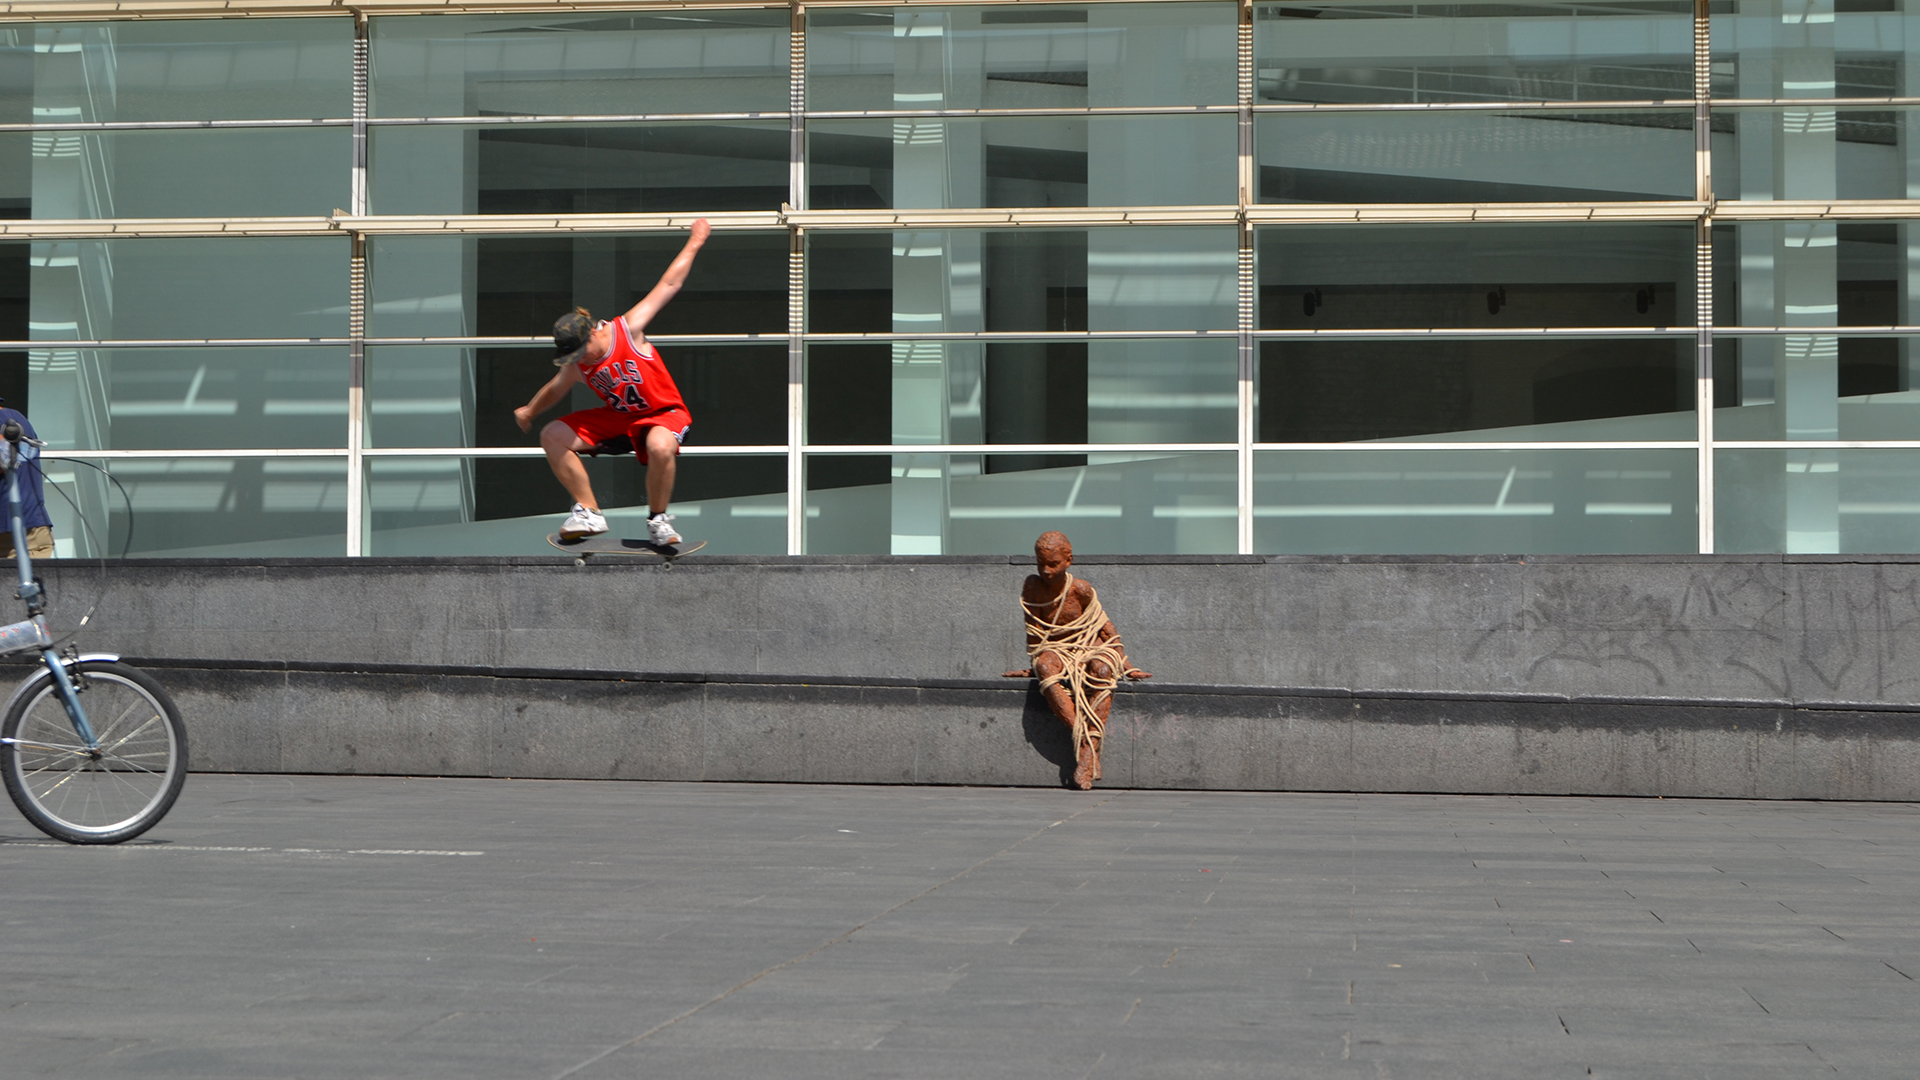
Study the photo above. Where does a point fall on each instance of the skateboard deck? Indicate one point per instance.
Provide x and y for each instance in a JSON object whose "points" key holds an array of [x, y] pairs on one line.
{"points": [[609, 544]]}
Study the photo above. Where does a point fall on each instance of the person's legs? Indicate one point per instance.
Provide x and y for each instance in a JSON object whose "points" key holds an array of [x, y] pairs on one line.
{"points": [[563, 446], [663, 455]]}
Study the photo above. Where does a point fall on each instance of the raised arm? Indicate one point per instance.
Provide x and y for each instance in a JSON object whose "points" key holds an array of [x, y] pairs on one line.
{"points": [[643, 312], [547, 396]]}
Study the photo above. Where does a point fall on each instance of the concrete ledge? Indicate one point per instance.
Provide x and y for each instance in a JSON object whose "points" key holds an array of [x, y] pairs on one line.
{"points": [[399, 719]]}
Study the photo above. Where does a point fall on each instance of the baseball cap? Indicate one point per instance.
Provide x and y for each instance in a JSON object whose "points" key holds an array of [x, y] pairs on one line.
{"points": [[570, 334]]}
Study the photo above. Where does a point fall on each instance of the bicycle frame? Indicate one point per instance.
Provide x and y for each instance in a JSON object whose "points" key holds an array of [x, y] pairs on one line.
{"points": [[32, 632]]}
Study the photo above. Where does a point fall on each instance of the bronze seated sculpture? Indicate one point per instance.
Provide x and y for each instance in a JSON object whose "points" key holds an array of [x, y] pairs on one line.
{"points": [[1076, 652]]}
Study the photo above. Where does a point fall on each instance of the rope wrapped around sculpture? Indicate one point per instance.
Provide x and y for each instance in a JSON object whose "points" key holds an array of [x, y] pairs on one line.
{"points": [[1078, 646]]}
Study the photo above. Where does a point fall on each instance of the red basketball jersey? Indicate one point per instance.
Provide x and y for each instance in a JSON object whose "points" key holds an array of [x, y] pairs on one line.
{"points": [[630, 379]]}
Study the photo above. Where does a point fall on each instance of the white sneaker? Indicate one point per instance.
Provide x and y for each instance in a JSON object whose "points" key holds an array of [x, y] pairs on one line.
{"points": [[582, 522], [660, 529]]}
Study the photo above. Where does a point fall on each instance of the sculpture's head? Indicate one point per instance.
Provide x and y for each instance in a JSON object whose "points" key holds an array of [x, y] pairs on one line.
{"points": [[1052, 553]]}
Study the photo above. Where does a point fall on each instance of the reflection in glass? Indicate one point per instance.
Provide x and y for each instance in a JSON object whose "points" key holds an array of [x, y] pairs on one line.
{"points": [[1813, 274], [578, 64], [1029, 161], [1026, 56], [1339, 53], [1868, 392], [1163, 278], [1475, 157], [191, 69], [1815, 501], [511, 286], [1114, 504], [1833, 153], [222, 173], [201, 507], [167, 287], [1473, 501], [1775, 49], [451, 505], [1548, 389], [1423, 276], [570, 169], [162, 399]]}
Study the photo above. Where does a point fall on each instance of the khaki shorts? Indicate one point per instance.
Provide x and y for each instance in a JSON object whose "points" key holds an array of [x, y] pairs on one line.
{"points": [[39, 542]]}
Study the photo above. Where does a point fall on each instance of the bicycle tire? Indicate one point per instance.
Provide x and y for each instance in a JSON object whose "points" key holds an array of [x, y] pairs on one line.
{"points": [[102, 798]]}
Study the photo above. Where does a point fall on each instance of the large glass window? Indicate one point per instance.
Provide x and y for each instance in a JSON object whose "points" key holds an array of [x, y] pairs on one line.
{"points": [[1327, 381], [443, 505], [1396, 361], [580, 169], [1400, 53], [1842, 501], [580, 63], [1467, 501], [933, 504], [192, 69], [1026, 56]]}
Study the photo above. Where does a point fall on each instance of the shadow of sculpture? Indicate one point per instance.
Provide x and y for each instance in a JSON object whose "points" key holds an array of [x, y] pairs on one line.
{"points": [[1046, 734]]}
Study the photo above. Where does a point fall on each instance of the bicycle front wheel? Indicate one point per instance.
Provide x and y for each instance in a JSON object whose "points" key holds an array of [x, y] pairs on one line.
{"points": [[100, 796]]}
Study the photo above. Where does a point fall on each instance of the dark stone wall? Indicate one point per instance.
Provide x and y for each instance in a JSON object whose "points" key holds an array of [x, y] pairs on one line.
{"points": [[1705, 676]]}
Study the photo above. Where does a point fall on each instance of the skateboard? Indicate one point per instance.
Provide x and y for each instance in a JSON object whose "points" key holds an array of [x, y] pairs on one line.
{"points": [[609, 544]]}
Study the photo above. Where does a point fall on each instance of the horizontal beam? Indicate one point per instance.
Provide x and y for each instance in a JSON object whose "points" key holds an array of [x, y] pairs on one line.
{"points": [[1441, 213], [1059, 217], [1643, 105], [96, 10], [1816, 209], [1031, 217], [1427, 446], [1476, 332]]}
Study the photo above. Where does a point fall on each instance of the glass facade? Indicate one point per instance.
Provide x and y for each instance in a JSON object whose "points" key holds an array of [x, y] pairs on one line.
{"points": [[1200, 276]]}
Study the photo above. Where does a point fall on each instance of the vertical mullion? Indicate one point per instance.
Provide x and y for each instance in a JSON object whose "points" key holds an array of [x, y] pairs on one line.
{"points": [[1246, 283], [1703, 265], [796, 281], [357, 304], [356, 395]]}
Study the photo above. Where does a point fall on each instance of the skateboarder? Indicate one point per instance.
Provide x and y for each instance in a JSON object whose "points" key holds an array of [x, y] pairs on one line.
{"points": [[643, 412]]}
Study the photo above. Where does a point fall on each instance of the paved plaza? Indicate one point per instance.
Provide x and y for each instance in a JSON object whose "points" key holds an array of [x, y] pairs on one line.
{"points": [[315, 927]]}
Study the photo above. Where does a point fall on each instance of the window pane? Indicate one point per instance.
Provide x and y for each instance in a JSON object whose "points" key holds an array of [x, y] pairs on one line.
{"points": [[1813, 273], [1545, 389], [1421, 276], [455, 396], [508, 506], [1768, 49], [164, 288], [1812, 153], [928, 392], [1514, 52], [217, 174], [193, 69], [565, 169], [1160, 278], [1475, 157], [1050, 161], [161, 399], [1474, 501], [1814, 501], [201, 507], [590, 63], [510, 286], [1809, 385], [996, 57], [1816, 386], [932, 504]]}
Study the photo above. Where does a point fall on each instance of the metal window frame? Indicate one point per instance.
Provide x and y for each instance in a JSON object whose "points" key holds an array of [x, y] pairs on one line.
{"points": [[1245, 216]]}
